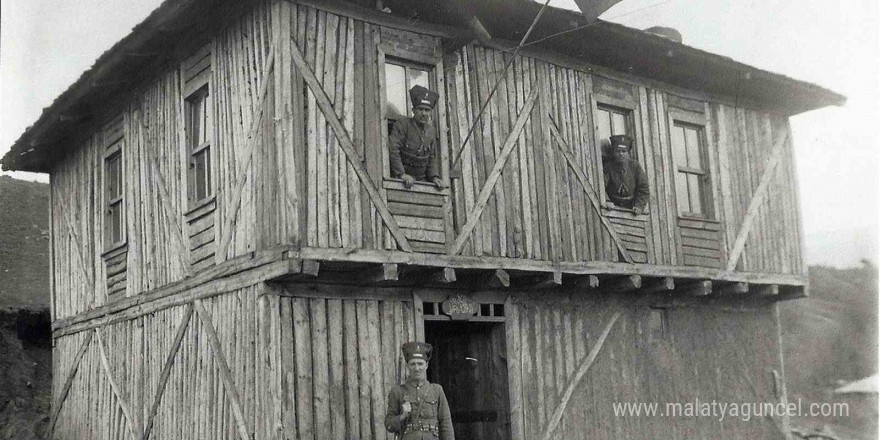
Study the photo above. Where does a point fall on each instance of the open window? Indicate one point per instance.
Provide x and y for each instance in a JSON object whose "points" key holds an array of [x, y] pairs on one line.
{"points": [[407, 59], [613, 115]]}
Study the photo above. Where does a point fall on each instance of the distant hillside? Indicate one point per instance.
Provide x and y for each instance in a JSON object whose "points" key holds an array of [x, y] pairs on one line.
{"points": [[831, 338], [24, 244]]}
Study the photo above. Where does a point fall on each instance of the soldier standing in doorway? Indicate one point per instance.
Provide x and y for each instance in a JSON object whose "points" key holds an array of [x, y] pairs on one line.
{"points": [[412, 143], [418, 410]]}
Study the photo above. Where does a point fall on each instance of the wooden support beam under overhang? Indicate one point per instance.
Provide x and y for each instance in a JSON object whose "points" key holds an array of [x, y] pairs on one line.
{"points": [[766, 289], [299, 270], [623, 284], [696, 288], [659, 285], [495, 279], [381, 273], [445, 275], [584, 281], [738, 288], [541, 281]]}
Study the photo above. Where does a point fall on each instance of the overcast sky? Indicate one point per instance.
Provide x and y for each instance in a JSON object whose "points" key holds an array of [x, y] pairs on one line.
{"points": [[45, 46]]}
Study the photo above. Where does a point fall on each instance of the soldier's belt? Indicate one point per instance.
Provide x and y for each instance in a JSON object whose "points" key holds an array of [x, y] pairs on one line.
{"points": [[421, 426]]}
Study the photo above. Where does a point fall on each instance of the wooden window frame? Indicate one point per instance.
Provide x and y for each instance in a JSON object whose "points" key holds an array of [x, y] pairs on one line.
{"points": [[599, 102], [390, 54], [113, 150], [203, 94], [687, 119]]}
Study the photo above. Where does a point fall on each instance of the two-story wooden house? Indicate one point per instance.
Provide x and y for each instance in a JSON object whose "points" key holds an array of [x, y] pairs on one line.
{"points": [[232, 259]]}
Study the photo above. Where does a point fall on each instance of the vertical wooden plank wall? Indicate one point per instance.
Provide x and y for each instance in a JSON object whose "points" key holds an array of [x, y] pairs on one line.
{"points": [[650, 355], [299, 187]]}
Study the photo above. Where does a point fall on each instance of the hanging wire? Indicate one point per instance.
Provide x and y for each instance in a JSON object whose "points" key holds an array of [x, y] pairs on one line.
{"points": [[457, 155], [522, 44]]}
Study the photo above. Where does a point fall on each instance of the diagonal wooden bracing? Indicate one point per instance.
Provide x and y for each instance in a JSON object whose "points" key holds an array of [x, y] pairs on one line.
{"points": [[582, 370], [225, 374], [166, 371], [588, 189], [509, 143], [56, 407], [171, 214], [757, 200], [68, 220], [256, 120], [133, 426], [347, 145]]}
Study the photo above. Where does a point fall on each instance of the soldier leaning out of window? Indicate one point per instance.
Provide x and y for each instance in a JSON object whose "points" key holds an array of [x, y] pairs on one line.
{"points": [[412, 144], [625, 181]]}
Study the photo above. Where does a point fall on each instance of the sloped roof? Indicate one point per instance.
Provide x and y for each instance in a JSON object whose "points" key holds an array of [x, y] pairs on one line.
{"points": [[600, 43]]}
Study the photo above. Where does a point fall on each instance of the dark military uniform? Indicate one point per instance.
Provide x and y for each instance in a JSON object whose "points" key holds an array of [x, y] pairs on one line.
{"points": [[429, 417], [412, 147], [625, 183]]}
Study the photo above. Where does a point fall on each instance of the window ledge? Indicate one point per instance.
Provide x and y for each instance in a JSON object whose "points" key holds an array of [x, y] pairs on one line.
{"points": [[697, 218], [115, 249], [612, 210], [418, 186]]}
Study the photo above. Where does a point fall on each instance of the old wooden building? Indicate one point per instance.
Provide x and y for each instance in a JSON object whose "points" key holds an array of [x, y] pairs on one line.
{"points": [[230, 257]]}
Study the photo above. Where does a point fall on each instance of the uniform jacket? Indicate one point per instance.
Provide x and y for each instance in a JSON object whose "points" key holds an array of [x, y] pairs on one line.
{"points": [[626, 184], [413, 150], [429, 419]]}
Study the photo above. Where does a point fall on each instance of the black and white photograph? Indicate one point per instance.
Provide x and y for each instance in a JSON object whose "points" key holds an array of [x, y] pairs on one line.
{"points": [[439, 219]]}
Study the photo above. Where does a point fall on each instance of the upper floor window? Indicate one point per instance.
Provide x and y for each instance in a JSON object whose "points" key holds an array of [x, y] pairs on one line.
{"points": [[400, 77], [114, 196], [611, 120], [199, 144], [691, 176], [195, 73]]}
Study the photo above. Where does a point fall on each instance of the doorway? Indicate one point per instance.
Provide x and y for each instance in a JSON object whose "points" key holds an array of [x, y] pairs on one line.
{"points": [[470, 363]]}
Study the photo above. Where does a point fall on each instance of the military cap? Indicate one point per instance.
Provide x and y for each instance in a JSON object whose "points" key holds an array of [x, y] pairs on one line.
{"points": [[422, 97], [416, 350], [621, 139]]}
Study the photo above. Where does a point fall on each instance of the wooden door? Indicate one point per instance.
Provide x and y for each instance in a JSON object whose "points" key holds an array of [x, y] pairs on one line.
{"points": [[469, 361]]}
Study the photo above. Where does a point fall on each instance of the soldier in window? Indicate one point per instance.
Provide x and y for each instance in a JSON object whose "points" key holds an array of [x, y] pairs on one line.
{"points": [[625, 181], [412, 144], [418, 410]]}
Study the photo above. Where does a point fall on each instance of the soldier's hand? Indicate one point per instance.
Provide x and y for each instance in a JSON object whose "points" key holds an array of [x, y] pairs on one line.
{"points": [[407, 407], [438, 182], [407, 180], [638, 210]]}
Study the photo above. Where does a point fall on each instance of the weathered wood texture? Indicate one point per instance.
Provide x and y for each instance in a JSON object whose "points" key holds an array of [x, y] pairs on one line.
{"points": [[281, 175], [289, 358], [650, 355]]}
